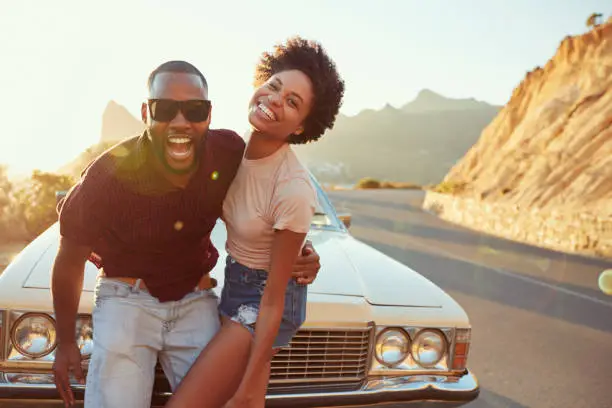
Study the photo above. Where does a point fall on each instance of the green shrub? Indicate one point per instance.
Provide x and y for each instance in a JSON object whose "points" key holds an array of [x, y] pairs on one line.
{"points": [[32, 207], [367, 182]]}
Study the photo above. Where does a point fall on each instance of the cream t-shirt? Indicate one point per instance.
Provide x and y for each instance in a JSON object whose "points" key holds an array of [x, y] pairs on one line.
{"points": [[267, 194]]}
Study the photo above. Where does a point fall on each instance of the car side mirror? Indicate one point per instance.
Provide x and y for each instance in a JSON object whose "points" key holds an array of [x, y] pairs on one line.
{"points": [[346, 219]]}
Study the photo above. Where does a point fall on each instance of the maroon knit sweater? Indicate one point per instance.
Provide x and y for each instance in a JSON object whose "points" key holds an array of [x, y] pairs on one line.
{"points": [[142, 226]]}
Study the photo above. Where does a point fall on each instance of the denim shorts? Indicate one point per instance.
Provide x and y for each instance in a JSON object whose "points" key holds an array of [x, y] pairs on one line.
{"points": [[241, 296]]}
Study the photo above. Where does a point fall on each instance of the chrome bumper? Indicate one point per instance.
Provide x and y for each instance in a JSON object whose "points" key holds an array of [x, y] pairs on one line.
{"points": [[39, 390]]}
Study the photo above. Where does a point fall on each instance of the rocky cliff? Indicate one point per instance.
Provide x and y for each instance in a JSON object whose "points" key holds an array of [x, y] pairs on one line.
{"points": [[550, 147]]}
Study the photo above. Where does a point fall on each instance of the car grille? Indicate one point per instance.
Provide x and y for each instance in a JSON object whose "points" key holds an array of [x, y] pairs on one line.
{"points": [[323, 356], [316, 359]]}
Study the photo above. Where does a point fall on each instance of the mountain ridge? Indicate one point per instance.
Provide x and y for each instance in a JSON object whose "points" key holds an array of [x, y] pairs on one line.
{"points": [[399, 144], [416, 128]]}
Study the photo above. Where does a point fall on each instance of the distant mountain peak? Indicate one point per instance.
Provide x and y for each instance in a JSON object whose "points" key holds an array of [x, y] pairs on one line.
{"points": [[428, 94], [118, 123], [390, 144], [430, 101]]}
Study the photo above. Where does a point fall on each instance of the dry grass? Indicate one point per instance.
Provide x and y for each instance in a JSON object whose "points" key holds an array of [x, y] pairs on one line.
{"points": [[450, 187], [400, 185], [371, 183]]}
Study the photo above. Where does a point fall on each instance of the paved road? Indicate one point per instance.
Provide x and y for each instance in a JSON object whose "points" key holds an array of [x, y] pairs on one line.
{"points": [[542, 330]]}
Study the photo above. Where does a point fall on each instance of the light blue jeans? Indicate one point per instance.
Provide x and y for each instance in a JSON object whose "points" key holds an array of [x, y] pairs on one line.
{"points": [[132, 329]]}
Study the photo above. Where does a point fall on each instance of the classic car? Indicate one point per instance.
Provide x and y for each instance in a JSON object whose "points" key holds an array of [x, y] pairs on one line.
{"points": [[377, 332]]}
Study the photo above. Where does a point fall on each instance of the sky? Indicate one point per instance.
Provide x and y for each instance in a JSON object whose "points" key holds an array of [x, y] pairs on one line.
{"points": [[61, 62]]}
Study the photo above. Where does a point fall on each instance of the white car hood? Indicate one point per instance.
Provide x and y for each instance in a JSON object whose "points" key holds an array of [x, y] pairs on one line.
{"points": [[348, 268]]}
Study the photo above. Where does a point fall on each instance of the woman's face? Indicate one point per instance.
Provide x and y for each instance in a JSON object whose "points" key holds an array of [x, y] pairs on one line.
{"points": [[279, 107]]}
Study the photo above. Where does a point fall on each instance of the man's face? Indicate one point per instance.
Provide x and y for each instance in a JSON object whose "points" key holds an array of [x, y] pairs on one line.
{"points": [[176, 136]]}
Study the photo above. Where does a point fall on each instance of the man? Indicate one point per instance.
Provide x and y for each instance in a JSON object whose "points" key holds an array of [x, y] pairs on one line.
{"points": [[146, 209]]}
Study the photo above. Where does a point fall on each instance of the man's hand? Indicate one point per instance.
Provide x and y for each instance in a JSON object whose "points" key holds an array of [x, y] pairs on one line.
{"points": [[66, 287], [67, 360], [307, 265]]}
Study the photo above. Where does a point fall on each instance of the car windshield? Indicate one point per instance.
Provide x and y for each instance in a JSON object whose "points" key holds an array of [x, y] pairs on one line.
{"points": [[325, 214]]}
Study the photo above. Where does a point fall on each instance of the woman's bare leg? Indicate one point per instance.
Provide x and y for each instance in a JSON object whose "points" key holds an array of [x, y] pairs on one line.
{"points": [[216, 374], [264, 378]]}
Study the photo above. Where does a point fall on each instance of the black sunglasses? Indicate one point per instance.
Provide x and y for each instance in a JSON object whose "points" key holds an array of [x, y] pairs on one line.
{"points": [[164, 110]]}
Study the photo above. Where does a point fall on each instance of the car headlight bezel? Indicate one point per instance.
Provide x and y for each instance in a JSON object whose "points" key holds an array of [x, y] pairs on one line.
{"points": [[52, 335], [418, 340], [404, 353], [409, 366], [81, 337]]}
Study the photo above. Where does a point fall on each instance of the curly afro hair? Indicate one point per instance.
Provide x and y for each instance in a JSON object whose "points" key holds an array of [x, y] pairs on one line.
{"points": [[328, 87]]}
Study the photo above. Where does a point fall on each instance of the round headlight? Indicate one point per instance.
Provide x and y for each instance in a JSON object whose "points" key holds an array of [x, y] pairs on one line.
{"points": [[84, 336], [392, 347], [428, 348], [33, 335]]}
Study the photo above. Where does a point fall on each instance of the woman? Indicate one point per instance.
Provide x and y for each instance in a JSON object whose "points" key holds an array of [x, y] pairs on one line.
{"points": [[268, 211]]}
